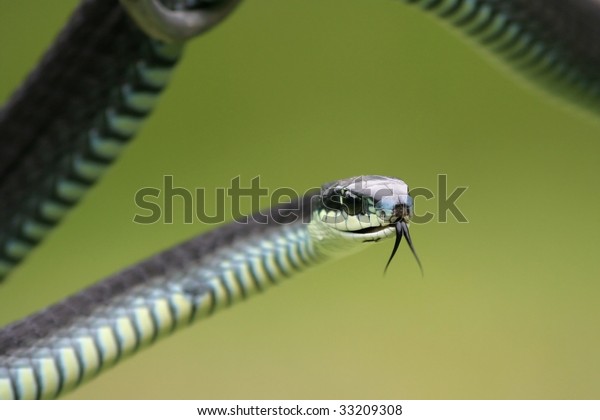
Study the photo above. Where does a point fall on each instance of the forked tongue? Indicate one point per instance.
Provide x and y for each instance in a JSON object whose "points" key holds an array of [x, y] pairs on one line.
{"points": [[402, 230]]}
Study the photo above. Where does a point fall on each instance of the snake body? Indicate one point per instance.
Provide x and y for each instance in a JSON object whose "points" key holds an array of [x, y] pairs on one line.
{"points": [[134, 308], [62, 129], [555, 44], [71, 118]]}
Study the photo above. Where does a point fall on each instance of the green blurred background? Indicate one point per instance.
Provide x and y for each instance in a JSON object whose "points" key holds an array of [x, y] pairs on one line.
{"points": [[305, 91]]}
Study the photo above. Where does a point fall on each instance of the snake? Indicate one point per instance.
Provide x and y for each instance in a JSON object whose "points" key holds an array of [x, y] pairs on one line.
{"points": [[88, 97]]}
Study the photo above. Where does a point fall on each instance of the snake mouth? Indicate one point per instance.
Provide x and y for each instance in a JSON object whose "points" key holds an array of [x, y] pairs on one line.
{"points": [[371, 234], [374, 229]]}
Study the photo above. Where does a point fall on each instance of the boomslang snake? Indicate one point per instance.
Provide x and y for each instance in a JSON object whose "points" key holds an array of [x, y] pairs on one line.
{"points": [[52, 159]]}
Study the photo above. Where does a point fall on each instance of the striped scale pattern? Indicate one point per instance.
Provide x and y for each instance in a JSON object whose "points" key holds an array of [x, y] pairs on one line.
{"points": [[552, 42], [115, 125], [42, 361]]}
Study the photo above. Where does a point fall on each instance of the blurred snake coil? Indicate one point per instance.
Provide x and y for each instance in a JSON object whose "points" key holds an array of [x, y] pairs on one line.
{"points": [[85, 101]]}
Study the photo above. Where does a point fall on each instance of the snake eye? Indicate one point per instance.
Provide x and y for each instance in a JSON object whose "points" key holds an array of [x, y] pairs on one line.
{"points": [[344, 200]]}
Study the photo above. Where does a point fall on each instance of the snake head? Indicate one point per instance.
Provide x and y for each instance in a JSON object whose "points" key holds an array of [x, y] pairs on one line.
{"points": [[365, 205], [368, 208]]}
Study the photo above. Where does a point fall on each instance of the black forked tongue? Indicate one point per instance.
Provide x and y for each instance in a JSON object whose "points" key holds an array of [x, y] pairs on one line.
{"points": [[402, 230]]}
